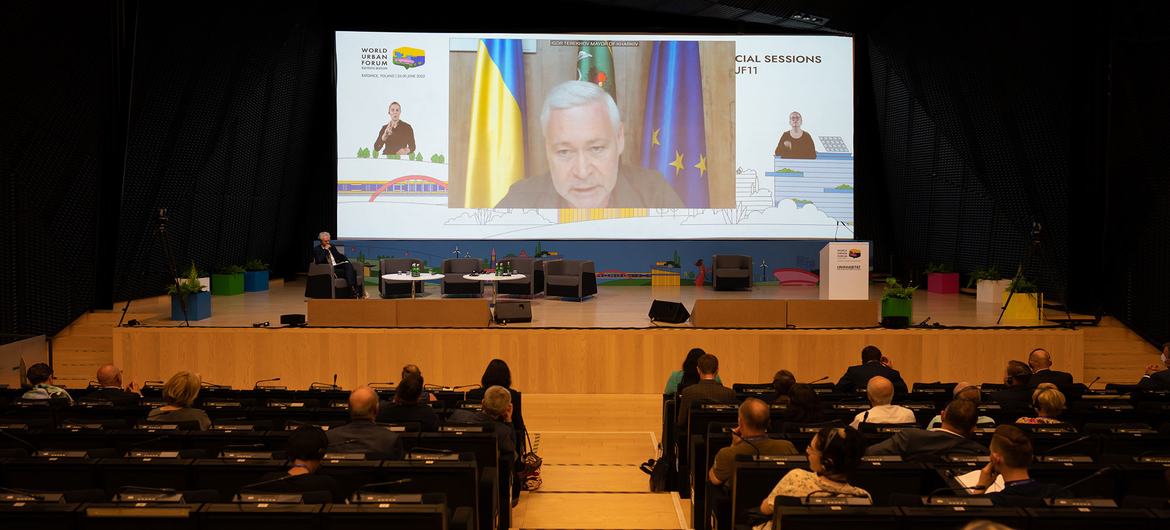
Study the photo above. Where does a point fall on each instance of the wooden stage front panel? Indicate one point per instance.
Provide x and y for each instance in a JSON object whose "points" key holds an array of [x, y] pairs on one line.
{"points": [[572, 360]]}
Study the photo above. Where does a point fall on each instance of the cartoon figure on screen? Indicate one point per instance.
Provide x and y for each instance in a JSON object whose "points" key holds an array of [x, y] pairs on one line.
{"points": [[796, 143], [397, 136], [583, 140]]}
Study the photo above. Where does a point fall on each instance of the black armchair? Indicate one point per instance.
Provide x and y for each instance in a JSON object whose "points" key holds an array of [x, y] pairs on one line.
{"points": [[392, 288], [731, 272], [323, 282], [533, 282], [570, 278], [453, 281]]}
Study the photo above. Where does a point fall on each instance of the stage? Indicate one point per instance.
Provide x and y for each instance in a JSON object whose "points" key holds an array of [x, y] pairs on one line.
{"points": [[604, 344]]}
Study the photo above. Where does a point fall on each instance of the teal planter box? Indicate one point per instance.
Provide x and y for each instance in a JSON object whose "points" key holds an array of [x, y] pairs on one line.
{"points": [[255, 281], [198, 306], [896, 312], [227, 284]]}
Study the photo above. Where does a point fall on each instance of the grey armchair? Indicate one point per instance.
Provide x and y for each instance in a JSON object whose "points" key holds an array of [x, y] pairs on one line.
{"points": [[570, 278], [392, 288], [323, 282], [731, 272], [453, 281], [533, 282]]}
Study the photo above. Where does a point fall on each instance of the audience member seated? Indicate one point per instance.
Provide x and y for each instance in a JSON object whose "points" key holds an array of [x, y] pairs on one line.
{"points": [[40, 376], [689, 375], [969, 392], [179, 394], [413, 369], [804, 407], [833, 456], [958, 422], [1040, 362], [749, 437], [708, 389], [495, 409], [1048, 402], [782, 384], [109, 379], [361, 434], [305, 449], [497, 373], [1011, 452], [1017, 395], [1158, 375], [406, 407], [873, 363], [882, 410]]}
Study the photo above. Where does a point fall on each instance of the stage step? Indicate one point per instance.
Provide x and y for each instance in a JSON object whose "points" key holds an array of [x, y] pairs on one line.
{"points": [[1115, 353]]}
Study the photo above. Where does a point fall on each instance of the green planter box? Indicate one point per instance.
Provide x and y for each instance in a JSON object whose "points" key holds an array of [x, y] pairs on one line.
{"points": [[896, 312], [227, 284]]}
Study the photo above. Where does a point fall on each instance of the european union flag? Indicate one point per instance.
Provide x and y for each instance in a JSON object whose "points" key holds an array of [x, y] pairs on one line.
{"points": [[675, 140]]}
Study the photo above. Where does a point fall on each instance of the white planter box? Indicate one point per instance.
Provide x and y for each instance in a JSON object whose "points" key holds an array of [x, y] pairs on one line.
{"points": [[991, 291]]}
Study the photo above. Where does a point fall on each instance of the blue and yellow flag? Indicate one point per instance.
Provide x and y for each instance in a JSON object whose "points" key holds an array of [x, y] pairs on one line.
{"points": [[675, 141], [495, 151]]}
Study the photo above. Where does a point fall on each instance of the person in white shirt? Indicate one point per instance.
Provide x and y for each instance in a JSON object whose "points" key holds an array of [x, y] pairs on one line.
{"points": [[881, 396]]}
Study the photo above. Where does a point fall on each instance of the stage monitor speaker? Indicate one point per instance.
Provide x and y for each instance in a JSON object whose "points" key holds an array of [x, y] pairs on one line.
{"points": [[513, 312], [669, 312], [293, 320]]}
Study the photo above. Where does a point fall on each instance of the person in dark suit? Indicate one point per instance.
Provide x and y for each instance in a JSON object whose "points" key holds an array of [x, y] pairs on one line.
{"points": [[872, 363], [930, 444], [1011, 452], [1040, 361], [495, 409], [1016, 398], [1158, 375], [497, 373], [328, 253], [109, 379], [706, 390], [361, 434], [407, 408], [305, 449]]}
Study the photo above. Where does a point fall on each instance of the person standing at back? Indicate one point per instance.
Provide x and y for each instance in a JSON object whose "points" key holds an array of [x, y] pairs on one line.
{"points": [[708, 389], [873, 363]]}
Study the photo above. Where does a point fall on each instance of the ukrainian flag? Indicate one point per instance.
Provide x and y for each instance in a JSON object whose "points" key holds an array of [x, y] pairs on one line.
{"points": [[495, 152]]}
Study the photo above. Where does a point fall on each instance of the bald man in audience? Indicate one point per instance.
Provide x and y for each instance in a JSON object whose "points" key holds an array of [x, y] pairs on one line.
{"points": [[110, 388], [882, 410], [749, 437], [1040, 361], [361, 434]]}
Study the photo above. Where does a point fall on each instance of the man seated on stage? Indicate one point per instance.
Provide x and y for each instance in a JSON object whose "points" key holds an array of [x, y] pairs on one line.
{"points": [[407, 408], [1011, 453], [1158, 375], [749, 437], [882, 410], [1040, 361], [327, 253], [969, 392], [958, 422], [707, 389], [583, 140], [496, 409], [873, 363], [361, 434], [109, 379], [40, 376]]}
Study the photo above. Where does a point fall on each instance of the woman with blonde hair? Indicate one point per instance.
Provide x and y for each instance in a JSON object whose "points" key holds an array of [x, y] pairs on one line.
{"points": [[179, 393], [1049, 403]]}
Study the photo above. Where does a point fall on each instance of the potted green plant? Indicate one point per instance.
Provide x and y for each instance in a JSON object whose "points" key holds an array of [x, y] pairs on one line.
{"points": [[1026, 303], [228, 281], [191, 291], [897, 304], [255, 276], [941, 279], [989, 285]]}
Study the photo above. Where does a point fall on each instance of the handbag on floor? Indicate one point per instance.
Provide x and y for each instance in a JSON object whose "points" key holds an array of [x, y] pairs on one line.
{"points": [[529, 473]]}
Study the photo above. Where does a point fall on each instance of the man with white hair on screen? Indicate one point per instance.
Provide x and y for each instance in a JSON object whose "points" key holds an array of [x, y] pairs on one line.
{"points": [[583, 140]]}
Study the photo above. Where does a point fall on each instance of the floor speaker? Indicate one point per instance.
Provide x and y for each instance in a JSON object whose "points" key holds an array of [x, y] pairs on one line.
{"points": [[513, 312], [669, 312]]}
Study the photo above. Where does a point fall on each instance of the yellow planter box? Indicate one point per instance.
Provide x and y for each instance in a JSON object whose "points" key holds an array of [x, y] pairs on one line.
{"points": [[1024, 306]]}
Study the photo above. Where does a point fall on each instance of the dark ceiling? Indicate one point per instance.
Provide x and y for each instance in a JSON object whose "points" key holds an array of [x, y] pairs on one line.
{"points": [[830, 16]]}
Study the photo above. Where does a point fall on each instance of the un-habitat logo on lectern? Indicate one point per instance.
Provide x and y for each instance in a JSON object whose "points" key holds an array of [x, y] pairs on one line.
{"points": [[855, 253], [408, 57]]}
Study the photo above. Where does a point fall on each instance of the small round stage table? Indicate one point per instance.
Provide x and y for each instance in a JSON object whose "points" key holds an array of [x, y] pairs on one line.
{"points": [[407, 277], [495, 279]]}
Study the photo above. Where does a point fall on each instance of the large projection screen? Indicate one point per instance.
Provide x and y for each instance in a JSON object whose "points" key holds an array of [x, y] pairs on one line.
{"points": [[625, 137]]}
